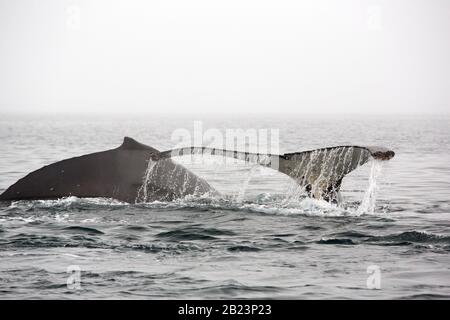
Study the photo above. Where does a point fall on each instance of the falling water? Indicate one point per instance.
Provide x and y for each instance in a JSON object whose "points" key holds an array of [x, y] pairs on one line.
{"points": [[367, 205], [142, 195], [241, 194]]}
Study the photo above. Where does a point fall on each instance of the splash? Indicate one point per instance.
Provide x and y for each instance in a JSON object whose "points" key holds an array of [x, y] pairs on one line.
{"points": [[367, 205], [295, 193], [65, 203], [241, 194], [143, 192]]}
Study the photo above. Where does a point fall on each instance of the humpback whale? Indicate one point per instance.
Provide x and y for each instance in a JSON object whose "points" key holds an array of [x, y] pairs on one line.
{"points": [[135, 172]]}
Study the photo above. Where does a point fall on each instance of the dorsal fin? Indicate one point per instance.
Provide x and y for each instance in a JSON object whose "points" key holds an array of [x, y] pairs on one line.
{"points": [[131, 144]]}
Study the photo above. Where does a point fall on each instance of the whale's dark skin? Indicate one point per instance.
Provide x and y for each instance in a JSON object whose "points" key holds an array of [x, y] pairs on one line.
{"points": [[116, 173]]}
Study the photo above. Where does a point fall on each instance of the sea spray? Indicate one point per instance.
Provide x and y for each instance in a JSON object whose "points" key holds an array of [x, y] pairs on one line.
{"points": [[142, 195], [241, 194], [294, 194], [367, 205]]}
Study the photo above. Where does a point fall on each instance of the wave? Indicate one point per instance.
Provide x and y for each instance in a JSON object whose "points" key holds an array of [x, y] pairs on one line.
{"points": [[66, 204], [89, 241], [188, 239], [272, 204], [399, 239], [412, 237], [425, 296], [80, 229], [241, 248], [336, 241], [233, 288], [262, 204]]}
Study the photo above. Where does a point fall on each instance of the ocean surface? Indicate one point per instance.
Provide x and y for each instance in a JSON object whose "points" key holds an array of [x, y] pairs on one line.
{"points": [[261, 238]]}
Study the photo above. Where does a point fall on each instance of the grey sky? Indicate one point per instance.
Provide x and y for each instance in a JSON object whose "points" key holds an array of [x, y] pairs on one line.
{"points": [[228, 56]]}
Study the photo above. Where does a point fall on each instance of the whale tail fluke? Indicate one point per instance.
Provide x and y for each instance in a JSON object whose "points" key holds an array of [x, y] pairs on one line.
{"points": [[319, 171]]}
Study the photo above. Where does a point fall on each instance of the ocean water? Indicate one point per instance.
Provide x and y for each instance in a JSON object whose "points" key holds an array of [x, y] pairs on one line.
{"points": [[261, 238]]}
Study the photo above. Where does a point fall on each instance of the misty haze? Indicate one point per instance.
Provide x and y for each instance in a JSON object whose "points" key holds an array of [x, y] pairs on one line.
{"points": [[224, 150]]}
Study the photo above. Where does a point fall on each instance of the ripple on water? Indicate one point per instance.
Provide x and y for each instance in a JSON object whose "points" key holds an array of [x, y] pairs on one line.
{"points": [[80, 229], [194, 233]]}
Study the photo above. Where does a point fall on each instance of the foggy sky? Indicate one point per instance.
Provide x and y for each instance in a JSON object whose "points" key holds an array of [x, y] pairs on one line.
{"points": [[225, 56]]}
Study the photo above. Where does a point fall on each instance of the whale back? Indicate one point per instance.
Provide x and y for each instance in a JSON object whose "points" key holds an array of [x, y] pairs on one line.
{"points": [[118, 173]]}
